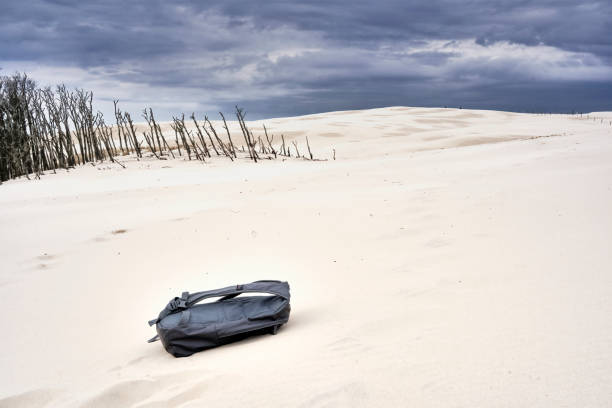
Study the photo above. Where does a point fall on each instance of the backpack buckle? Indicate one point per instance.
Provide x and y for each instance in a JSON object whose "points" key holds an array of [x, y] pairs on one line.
{"points": [[177, 304]]}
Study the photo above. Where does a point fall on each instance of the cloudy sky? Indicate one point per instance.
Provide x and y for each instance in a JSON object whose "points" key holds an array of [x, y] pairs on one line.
{"points": [[279, 58]]}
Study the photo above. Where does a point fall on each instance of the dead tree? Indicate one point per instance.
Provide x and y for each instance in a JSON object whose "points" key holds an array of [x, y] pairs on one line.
{"points": [[130, 126], [309, 152], [229, 137], [219, 141], [118, 123], [297, 152], [248, 137], [200, 135], [284, 152], [270, 141], [180, 129]]}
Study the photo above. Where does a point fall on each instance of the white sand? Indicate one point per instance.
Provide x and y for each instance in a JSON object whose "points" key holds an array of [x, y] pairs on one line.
{"points": [[429, 267]]}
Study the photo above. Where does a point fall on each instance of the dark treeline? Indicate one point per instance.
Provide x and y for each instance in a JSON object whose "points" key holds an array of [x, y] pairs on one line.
{"points": [[48, 129]]}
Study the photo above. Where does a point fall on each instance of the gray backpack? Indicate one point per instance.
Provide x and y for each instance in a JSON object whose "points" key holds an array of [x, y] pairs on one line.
{"points": [[185, 327]]}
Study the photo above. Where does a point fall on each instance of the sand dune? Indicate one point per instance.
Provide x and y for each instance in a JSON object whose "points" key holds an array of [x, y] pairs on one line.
{"points": [[446, 258]]}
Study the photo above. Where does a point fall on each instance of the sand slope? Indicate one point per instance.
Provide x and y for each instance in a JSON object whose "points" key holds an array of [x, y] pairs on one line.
{"points": [[447, 258]]}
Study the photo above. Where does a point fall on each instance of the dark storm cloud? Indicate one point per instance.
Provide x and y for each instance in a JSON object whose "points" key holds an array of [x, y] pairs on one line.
{"points": [[572, 25], [280, 57]]}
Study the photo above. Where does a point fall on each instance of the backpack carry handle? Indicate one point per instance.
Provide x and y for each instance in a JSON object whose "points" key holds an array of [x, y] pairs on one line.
{"points": [[272, 287], [188, 300]]}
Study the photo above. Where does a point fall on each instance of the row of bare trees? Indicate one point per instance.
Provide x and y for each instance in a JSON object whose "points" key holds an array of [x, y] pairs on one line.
{"points": [[42, 129], [48, 129]]}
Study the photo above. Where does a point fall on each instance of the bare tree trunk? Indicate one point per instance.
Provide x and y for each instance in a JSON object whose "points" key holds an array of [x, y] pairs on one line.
{"points": [[221, 144], [200, 135], [309, 152], [269, 141], [229, 137], [247, 135], [117, 115]]}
